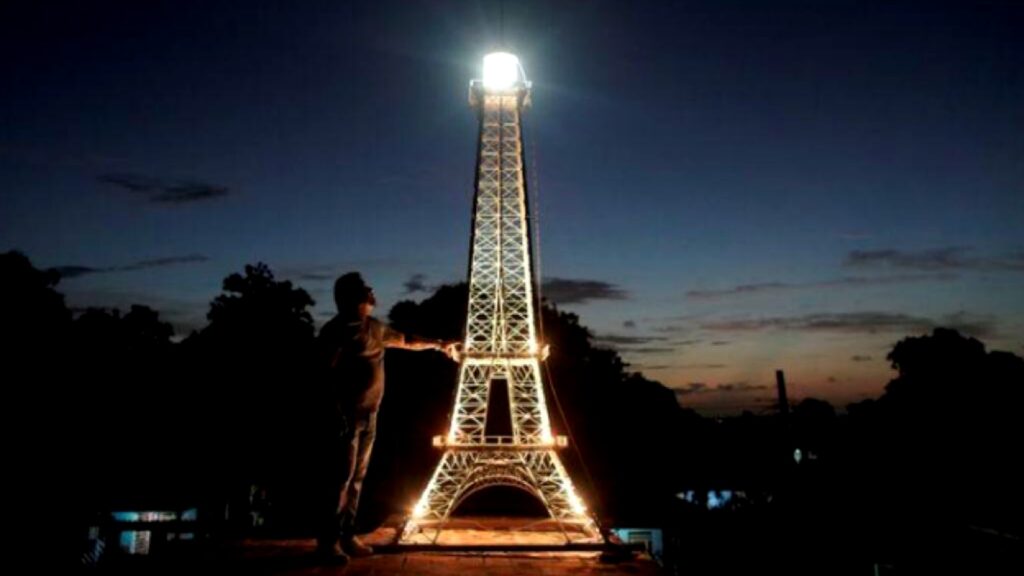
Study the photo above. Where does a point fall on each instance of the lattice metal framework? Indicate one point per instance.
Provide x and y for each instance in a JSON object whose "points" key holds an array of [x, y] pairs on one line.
{"points": [[501, 340]]}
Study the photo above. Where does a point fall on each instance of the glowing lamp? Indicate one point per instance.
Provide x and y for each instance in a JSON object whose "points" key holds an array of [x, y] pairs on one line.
{"points": [[576, 503], [420, 509], [501, 71]]}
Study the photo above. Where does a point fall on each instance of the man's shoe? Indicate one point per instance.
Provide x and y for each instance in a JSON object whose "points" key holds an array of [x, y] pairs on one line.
{"points": [[355, 548], [333, 554]]}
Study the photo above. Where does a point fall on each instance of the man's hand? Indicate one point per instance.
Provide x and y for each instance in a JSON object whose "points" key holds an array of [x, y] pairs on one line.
{"points": [[545, 352], [452, 349]]}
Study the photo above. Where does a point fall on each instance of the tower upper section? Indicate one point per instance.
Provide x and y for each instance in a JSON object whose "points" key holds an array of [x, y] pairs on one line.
{"points": [[501, 319]]}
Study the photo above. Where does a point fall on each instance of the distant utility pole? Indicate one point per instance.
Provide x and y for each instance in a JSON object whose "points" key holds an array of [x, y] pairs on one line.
{"points": [[787, 431], [780, 381]]}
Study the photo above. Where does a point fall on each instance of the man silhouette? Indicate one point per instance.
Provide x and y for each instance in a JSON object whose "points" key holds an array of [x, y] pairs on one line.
{"points": [[351, 347]]}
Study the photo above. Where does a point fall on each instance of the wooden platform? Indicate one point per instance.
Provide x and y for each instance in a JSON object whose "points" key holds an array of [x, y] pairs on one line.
{"points": [[297, 556], [469, 534]]}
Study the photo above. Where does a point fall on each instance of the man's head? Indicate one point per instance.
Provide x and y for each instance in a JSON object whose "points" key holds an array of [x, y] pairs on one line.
{"points": [[352, 294]]}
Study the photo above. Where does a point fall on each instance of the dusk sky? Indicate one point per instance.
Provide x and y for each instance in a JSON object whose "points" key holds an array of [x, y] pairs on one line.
{"points": [[723, 188]]}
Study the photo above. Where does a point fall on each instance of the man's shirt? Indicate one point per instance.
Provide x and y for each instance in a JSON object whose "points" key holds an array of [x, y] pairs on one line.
{"points": [[353, 350]]}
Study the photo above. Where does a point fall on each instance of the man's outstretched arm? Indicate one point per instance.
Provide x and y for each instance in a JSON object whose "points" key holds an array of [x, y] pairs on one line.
{"points": [[415, 343], [396, 339]]}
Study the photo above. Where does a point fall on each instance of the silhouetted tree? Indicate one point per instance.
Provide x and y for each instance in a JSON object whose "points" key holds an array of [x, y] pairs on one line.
{"points": [[251, 371], [144, 329], [94, 396], [33, 313], [257, 310], [441, 315], [34, 323], [106, 337], [939, 438], [814, 423]]}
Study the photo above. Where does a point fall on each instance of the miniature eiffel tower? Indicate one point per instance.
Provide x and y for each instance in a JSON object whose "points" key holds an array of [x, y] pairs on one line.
{"points": [[501, 341]]}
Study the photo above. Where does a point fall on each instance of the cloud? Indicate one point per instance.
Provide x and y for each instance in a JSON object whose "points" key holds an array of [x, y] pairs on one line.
{"points": [[677, 333], [131, 182], [859, 358], [649, 350], [575, 291], [975, 325], [308, 273], [315, 276], [368, 267], [76, 271], [416, 283], [160, 262], [948, 258], [727, 388], [621, 339], [190, 192], [845, 282], [721, 343], [631, 345], [703, 366], [162, 192], [693, 388], [739, 387], [73, 271], [738, 290], [936, 259], [629, 324], [842, 322], [859, 322]]}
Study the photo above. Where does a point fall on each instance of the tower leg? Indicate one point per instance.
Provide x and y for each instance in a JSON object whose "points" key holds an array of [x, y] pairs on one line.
{"points": [[462, 472], [441, 494]]}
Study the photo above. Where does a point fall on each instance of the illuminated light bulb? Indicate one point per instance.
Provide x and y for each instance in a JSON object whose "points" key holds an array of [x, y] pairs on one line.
{"points": [[501, 71], [419, 510]]}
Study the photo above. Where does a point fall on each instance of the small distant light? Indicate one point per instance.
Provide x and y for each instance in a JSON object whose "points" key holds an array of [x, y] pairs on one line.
{"points": [[126, 516], [718, 498], [158, 516], [135, 542]]}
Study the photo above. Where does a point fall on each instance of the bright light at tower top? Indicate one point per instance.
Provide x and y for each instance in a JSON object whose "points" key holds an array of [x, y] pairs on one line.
{"points": [[502, 71]]}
